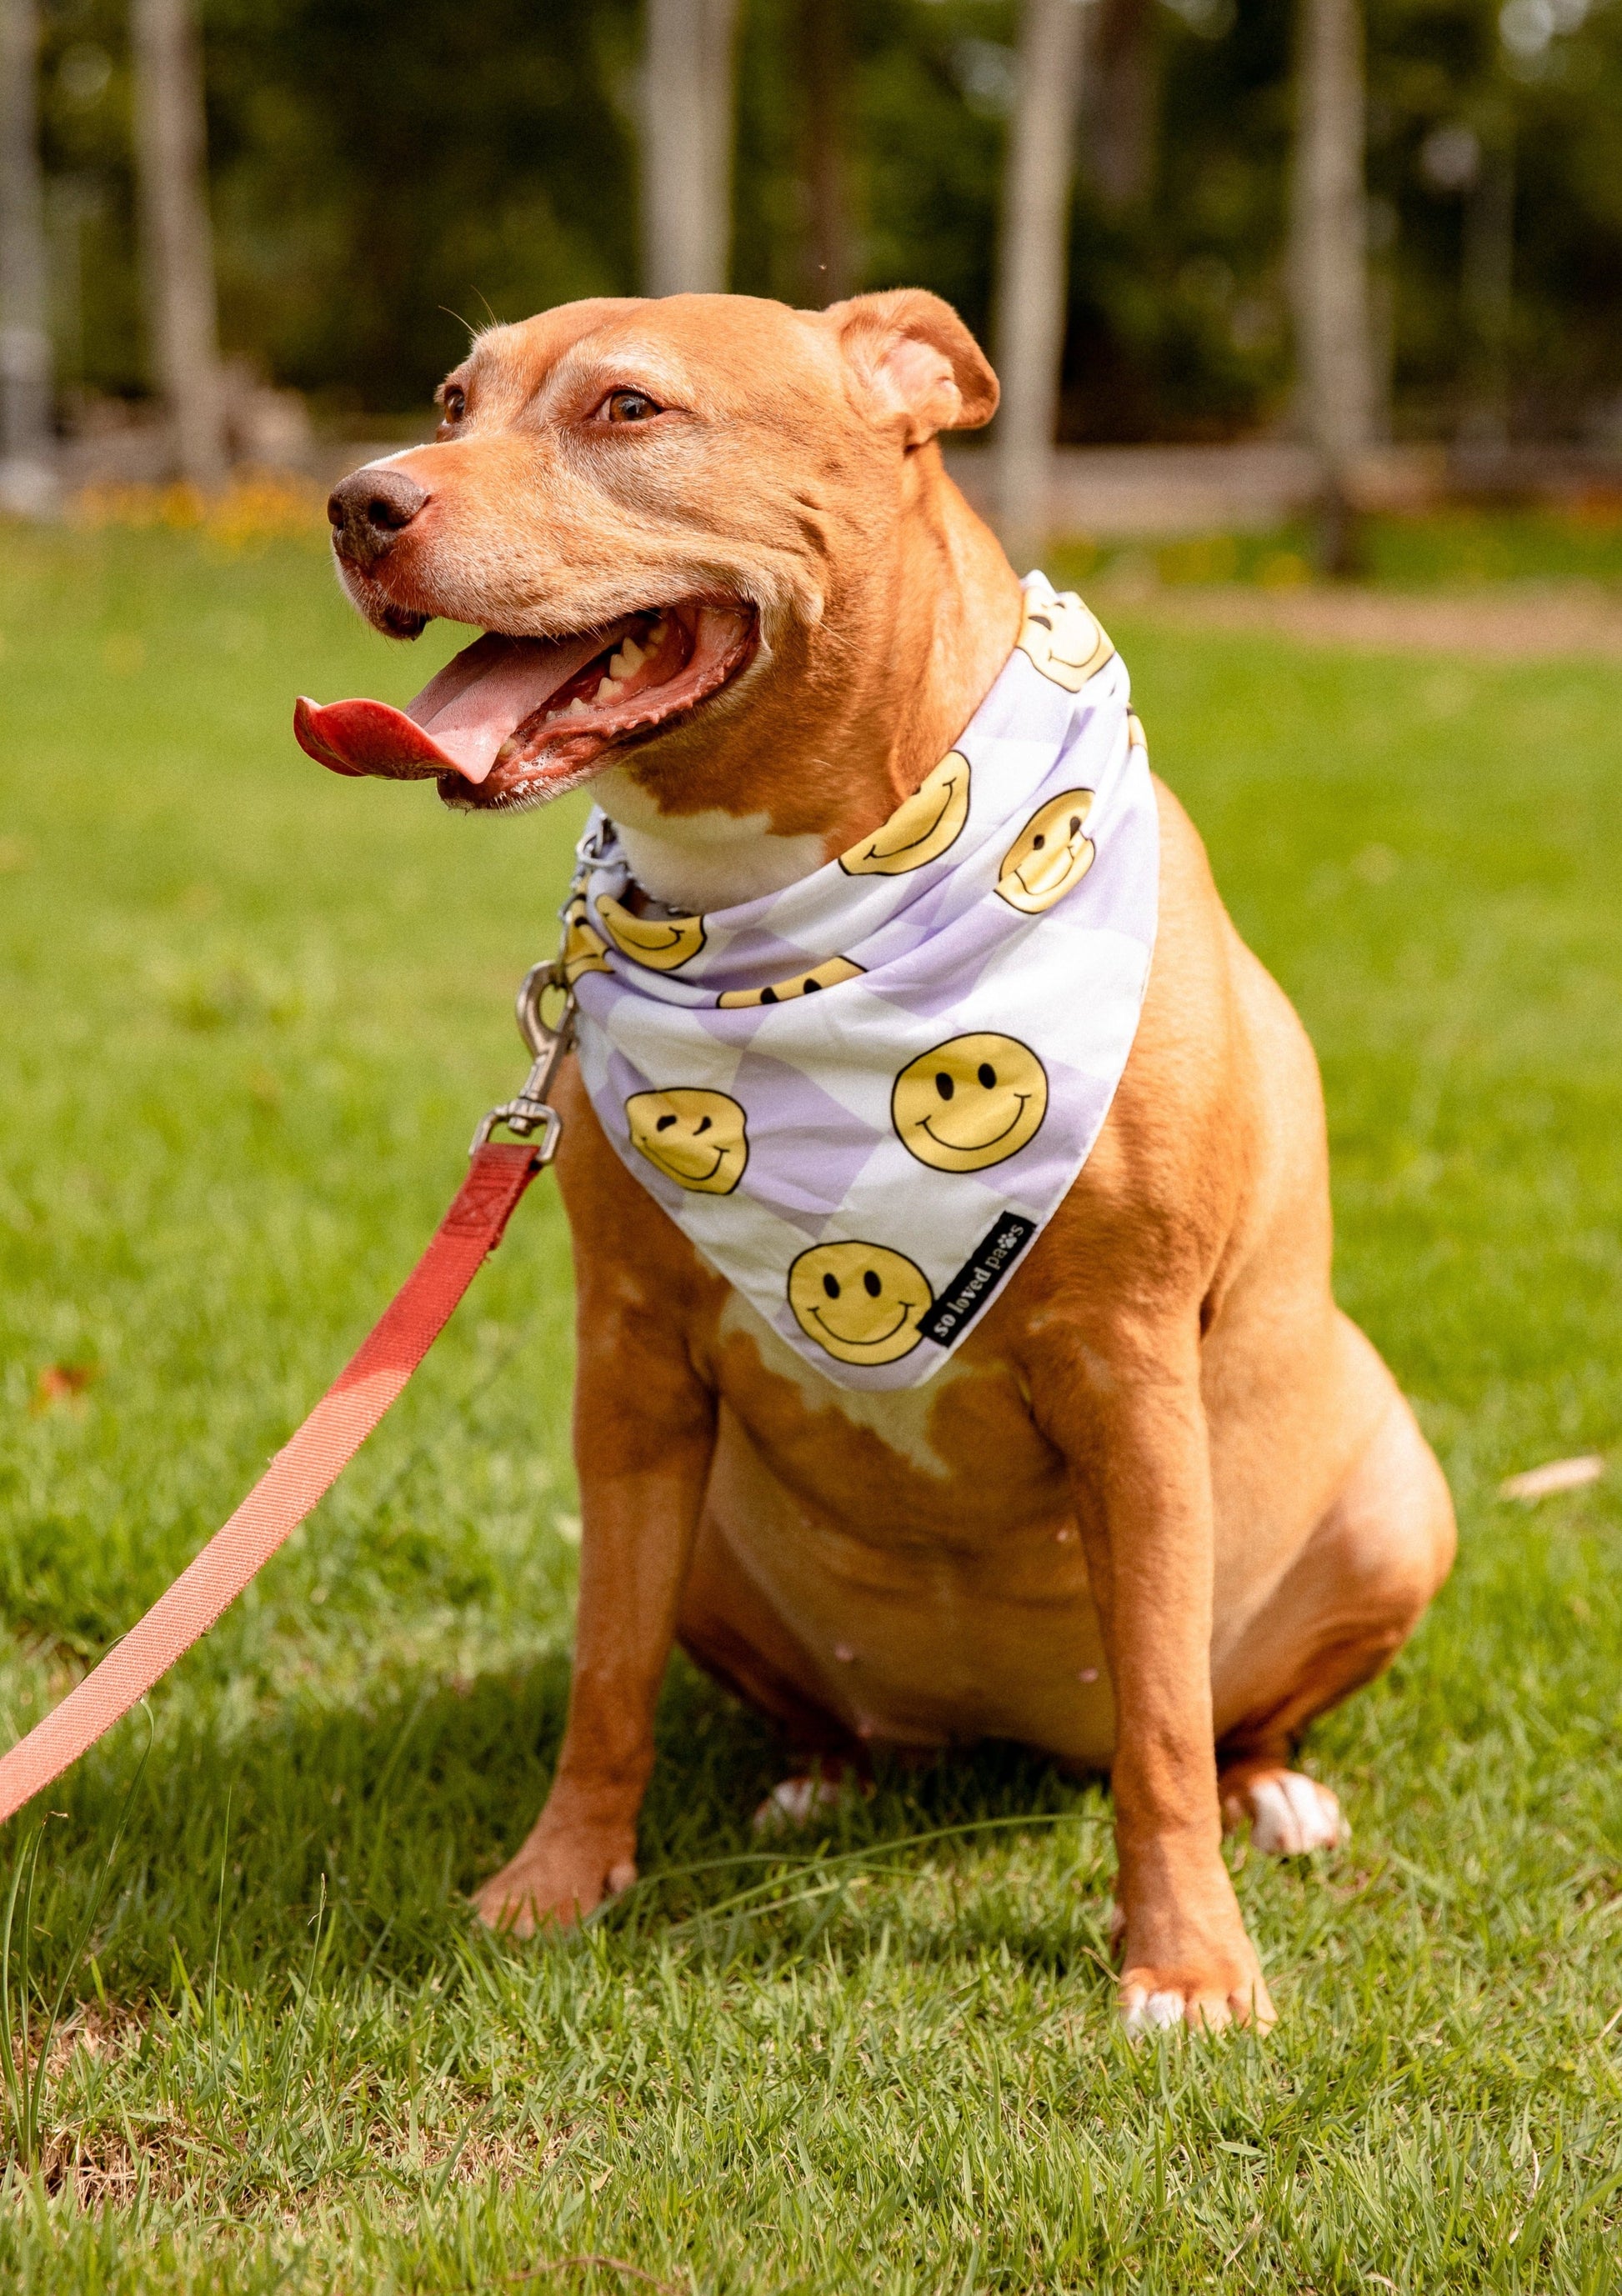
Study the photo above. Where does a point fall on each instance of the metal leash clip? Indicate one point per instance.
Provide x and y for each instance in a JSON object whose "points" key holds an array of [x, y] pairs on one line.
{"points": [[531, 1111]]}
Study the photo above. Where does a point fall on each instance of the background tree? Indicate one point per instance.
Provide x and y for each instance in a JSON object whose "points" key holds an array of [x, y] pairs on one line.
{"points": [[26, 436], [1488, 290], [825, 68], [178, 246], [687, 145], [1329, 260], [385, 174], [1121, 102], [1033, 247]]}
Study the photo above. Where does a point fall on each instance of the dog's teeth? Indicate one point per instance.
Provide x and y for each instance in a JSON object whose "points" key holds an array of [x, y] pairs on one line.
{"points": [[628, 662], [656, 637], [550, 714], [578, 708], [605, 686]]}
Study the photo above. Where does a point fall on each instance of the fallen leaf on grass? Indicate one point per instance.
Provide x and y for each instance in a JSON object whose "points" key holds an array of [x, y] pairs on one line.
{"points": [[598, 2264], [60, 1384], [1558, 1475]]}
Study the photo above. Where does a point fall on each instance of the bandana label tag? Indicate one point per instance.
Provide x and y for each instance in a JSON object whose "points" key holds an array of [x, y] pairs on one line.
{"points": [[976, 1280]]}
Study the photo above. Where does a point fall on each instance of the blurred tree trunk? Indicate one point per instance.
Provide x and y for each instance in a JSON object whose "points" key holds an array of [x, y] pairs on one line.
{"points": [[1328, 263], [687, 145], [178, 246], [1032, 267], [28, 446], [825, 59], [1123, 100], [1489, 295]]}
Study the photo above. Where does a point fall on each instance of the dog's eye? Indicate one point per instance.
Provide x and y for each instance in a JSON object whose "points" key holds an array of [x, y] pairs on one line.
{"points": [[454, 399], [630, 407]]}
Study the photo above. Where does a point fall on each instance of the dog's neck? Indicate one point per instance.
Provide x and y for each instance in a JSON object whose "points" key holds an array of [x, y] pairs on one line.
{"points": [[691, 862], [858, 702]]}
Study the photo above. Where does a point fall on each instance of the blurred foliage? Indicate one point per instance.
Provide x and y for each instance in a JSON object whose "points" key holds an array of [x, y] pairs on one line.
{"points": [[1550, 112], [386, 176]]}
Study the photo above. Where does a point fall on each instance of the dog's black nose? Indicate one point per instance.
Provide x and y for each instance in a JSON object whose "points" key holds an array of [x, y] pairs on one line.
{"points": [[369, 509]]}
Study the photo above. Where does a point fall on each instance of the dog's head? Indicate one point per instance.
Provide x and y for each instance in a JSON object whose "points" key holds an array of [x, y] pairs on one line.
{"points": [[677, 523]]}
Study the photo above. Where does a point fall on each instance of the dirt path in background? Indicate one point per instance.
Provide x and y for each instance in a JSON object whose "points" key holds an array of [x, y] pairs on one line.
{"points": [[1507, 624]]}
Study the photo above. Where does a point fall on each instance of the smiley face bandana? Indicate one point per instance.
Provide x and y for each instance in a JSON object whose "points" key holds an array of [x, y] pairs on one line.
{"points": [[863, 1097]]}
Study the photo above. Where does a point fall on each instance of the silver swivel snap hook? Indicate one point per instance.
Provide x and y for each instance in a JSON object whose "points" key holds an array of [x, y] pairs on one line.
{"points": [[531, 1111]]}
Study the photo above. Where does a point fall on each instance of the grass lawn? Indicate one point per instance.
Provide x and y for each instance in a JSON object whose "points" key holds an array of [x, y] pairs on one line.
{"points": [[1453, 547], [251, 1012]]}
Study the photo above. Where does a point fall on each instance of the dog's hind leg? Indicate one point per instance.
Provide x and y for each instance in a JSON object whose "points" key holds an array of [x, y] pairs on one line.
{"points": [[727, 1627], [1343, 1610]]}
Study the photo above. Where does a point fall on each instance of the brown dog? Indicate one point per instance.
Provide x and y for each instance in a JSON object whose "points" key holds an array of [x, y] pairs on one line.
{"points": [[1212, 1513]]}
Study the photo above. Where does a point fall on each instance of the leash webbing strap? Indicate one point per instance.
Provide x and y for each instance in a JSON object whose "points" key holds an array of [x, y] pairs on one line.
{"points": [[298, 1476]]}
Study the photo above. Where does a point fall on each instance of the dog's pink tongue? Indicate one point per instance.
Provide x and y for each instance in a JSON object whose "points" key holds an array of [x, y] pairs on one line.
{"points": [[459, 721], [369, 737]]}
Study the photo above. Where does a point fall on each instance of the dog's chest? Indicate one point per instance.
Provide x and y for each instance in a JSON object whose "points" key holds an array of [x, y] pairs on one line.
{"points": [[951, 1468], [919, 1549]]}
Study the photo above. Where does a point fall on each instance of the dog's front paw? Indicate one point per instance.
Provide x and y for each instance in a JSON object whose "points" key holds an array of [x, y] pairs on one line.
{"points": [[1288, 1813], [560, 1873], [1158, 1999], [1190, 1964]]}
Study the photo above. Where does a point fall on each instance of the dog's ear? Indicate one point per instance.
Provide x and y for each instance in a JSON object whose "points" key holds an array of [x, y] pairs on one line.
{"points": [[912, 358]]}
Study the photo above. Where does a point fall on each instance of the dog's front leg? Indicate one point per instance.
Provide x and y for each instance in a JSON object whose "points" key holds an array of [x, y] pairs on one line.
{"points": [[644, 1430], [1126, 1412]]}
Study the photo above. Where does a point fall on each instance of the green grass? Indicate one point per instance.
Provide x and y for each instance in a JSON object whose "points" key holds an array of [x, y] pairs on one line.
{"points": [[1455, 547], [250, 1012]]}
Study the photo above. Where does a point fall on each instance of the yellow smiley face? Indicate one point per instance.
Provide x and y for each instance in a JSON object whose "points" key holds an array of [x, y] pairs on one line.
{"points": [[663, 944], [798, 984], [1050, 854], [1063, 640], [585, 950], [971, 1101], [920, 828], [694, 1137], [861, 1301]]}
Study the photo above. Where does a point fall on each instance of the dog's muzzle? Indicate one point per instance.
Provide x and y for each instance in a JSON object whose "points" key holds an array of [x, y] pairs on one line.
{"points": [[369, 512]]}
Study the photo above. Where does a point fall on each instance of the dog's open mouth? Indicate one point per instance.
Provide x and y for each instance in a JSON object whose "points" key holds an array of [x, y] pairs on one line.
{"points": [[514, 719]]}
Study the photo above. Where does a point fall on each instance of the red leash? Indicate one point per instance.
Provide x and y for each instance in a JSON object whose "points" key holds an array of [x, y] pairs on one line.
{"points": [[305, 1470]]}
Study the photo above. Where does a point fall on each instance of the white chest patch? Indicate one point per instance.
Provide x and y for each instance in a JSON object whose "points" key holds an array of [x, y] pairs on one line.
{"points": [[900, 1417], [698, 861]]}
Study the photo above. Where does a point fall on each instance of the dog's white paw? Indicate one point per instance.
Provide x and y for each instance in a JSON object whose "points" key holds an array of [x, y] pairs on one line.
{"points": [[1151, 2012], [1169, 2001], [1289, 1813], [795, 1802]]}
